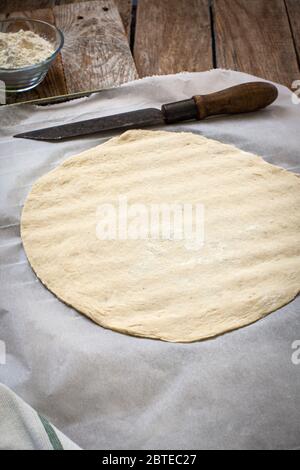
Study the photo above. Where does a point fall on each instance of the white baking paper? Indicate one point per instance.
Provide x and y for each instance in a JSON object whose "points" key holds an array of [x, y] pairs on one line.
{"points": [[110, 391]]}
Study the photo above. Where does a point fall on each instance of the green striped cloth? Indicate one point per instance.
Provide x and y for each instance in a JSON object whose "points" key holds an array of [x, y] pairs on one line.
{"points": [[22, 428]]}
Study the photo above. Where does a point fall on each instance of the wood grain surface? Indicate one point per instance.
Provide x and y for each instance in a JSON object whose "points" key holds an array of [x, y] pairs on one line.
{"points": [[95, 36], [19, 5], [96, 53], [293, 8], [261, 37], [255, 37], [172, 36], [124, 7]]}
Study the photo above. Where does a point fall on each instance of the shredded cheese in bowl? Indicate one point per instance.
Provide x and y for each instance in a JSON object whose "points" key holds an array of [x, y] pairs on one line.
{"points": [[23, 49]]}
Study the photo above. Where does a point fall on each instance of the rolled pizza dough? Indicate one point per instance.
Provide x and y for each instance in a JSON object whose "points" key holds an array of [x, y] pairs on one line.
{"points": [[248, 266]]}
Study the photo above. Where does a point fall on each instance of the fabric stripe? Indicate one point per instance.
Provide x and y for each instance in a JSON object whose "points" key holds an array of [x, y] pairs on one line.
{"points": [[53, 438]]}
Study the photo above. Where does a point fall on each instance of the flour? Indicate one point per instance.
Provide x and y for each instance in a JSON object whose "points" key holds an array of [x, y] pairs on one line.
{"points": [[22, 49]]}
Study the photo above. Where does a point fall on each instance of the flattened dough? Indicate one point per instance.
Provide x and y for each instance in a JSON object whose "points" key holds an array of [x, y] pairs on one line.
{"points": [[248, 267]]}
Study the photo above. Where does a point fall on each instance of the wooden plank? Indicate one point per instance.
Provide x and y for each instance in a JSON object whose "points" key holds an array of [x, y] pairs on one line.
{"points": [[255, 37], [293, 7], [124, 7], [172, 36], [96, 52], [22, 5], [54, 83]]}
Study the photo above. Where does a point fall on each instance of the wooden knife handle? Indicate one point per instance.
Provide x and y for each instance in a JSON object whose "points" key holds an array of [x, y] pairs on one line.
{"points": [[244, 98]]}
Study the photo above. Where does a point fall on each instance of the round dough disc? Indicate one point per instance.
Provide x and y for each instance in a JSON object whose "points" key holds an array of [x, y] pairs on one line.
{"points": [[248, 266]]}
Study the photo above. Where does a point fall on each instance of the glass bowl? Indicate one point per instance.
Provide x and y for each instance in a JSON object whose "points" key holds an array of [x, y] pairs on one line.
{"points": [[26, 78]]}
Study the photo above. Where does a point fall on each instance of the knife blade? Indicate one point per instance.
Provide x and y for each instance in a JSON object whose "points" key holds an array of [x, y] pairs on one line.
{"points": [[248, 97], [142, 118]]}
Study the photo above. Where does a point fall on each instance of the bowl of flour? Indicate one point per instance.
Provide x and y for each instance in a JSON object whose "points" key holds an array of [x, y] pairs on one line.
{"points": [[27, 50]]}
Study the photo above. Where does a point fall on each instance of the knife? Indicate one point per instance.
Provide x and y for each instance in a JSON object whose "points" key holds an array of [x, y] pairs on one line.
{"points": [[245, 98]]}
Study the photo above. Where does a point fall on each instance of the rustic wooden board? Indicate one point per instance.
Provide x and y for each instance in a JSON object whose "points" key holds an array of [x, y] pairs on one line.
{"points": [[293, 7], [172, 36], [255, 37], [124, 7], [96, 52], [19, 5]]}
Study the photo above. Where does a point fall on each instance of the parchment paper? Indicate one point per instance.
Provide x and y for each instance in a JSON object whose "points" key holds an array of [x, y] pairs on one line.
{"points": [[110, 391]]}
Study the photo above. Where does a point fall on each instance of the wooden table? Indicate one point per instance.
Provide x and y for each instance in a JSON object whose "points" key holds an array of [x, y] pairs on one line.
{"points": [[109, 42]]}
